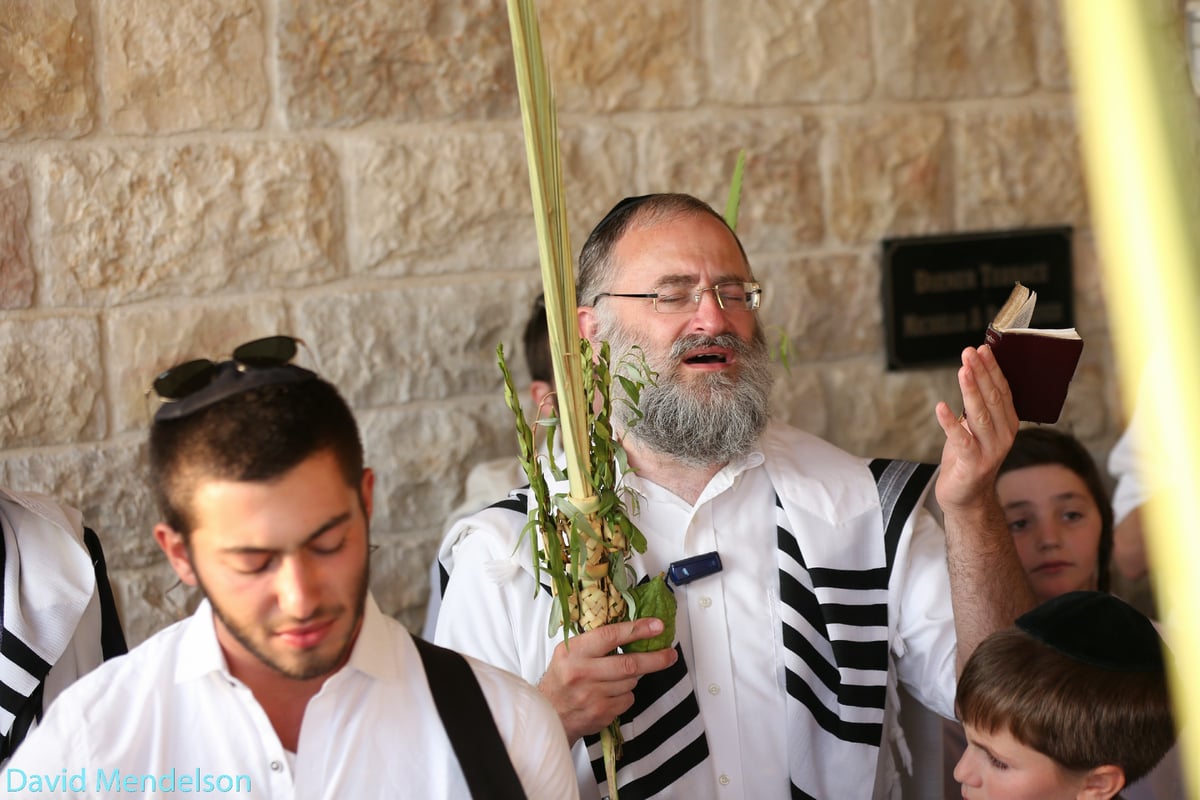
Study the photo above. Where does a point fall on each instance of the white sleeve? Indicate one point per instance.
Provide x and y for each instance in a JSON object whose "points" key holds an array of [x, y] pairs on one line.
{"points": [[492, 602], [1126, 464], [56, 749], [926, 642], [533, 736]]}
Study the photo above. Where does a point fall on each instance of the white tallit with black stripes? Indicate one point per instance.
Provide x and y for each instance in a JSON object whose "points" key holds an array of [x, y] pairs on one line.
{"points": [[49, 584], [838, 608]]}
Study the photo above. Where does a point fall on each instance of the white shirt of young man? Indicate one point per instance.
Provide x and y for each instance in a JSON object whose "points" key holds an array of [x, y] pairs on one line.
{"points": [[168, 719], [727, 624]]}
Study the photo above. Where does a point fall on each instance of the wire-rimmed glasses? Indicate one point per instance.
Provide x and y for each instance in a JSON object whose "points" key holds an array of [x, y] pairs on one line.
{"points": [[730, 296]]}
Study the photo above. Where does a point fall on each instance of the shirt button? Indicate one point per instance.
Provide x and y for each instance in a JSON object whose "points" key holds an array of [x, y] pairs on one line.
{"points": [[723, 780], [705, 602], [713, 689], [276, 766]]}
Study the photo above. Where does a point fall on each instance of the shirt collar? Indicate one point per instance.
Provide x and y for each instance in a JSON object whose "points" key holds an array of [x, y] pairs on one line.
{"points": [[375, 653], [724, 479]]}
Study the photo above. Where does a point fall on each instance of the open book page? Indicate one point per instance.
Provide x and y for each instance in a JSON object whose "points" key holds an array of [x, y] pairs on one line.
{"points": [[1017, 311]]}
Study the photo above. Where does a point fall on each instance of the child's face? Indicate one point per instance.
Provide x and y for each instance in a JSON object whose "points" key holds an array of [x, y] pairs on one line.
{"points": [[1055, 525], [997, 766]]}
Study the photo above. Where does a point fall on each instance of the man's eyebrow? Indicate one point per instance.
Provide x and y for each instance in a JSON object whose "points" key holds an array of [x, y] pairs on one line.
{"points": [[328, 525], [691, 280]]}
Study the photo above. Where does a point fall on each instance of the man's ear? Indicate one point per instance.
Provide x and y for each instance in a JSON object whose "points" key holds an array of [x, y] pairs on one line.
{"points": [[587, 322], [367, 491], [175, 549], [542, 395], [1102, 782]]}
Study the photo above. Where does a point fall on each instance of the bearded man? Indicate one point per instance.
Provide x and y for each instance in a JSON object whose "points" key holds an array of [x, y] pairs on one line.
{"points": [[781, 683]]}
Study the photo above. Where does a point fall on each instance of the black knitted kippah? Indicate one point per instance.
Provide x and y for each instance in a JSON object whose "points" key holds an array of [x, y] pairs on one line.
{"points": [[232, 378], [1097, 629]]}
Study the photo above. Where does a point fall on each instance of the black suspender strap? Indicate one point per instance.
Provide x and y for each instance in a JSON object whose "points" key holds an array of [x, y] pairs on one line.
{"points": [[112, 638], [469, 724]]}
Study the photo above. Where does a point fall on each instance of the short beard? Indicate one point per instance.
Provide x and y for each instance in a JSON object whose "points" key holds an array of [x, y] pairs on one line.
{"points": [[707, 421], [314, 668]]}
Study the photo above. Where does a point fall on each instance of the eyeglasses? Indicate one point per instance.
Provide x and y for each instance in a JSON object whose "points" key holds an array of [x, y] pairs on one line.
{"points": [[731, 296], [190, 377]]}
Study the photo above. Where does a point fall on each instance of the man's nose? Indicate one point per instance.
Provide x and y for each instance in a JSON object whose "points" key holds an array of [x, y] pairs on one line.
{"points": [[708, 314], [297, 587]]}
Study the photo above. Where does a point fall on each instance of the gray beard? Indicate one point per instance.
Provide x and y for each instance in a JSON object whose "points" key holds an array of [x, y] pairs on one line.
{"points": [[706, 421]]}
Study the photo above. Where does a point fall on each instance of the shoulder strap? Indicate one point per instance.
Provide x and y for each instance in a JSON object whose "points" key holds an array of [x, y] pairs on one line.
{"points": [[469, 724], [112, 637], [901, 485]]}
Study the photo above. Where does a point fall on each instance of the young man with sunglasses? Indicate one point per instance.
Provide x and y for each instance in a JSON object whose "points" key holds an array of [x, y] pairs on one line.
{"points": [[819, 591], [287, 681]]}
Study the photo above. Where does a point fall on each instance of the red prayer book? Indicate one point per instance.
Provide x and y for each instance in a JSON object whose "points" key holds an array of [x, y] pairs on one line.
{"points": [[1037, 362]]}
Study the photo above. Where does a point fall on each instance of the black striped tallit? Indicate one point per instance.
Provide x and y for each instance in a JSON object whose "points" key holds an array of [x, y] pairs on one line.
{"points": [[836, 637], [20, 666], [835, 633]]}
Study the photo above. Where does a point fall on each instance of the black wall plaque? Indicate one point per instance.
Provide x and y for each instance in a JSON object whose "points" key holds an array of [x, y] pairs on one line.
{"points": [[940, 292]]}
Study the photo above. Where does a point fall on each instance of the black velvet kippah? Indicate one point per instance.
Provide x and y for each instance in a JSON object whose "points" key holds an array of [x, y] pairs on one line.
{"points": [[1097, 629], [621, 206], [231, 379]]}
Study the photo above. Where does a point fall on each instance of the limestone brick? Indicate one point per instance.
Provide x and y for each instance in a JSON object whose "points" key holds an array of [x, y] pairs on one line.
{"points": [[109, 485], [182, 65], [16, 258], [143, 341], [400, 571], [388, 346], [1091, 398], [877, 413], [1091, 314], [130, 224], [781, 207], [421, 456], [798, 397], [343, 64], [827, 306], [768, 53], [612, 55], [46, 57], [434, 203], [1053, 67], [149, 599], [890, 176], [438, 202], [53, 387], [946, 49], [599, 168], [1018, 168]]}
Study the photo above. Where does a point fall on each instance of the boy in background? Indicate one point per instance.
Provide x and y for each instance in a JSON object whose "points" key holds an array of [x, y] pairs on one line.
{"points": [[1069, 704]]}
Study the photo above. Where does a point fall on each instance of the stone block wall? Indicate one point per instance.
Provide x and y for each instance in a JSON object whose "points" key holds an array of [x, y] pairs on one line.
{"points": [[180, 176]]}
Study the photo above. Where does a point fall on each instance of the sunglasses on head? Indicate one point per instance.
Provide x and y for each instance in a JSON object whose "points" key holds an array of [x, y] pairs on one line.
{"points": [[190, 377]]}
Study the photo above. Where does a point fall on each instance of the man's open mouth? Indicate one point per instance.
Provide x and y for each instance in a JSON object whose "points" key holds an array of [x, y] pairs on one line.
{"points": [[706, 358]]}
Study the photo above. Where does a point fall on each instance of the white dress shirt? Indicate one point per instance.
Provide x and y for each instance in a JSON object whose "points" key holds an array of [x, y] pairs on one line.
{"points": [[171, 717]]}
